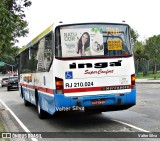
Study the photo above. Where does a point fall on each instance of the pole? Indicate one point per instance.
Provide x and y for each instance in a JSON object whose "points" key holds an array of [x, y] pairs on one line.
{"points": [[12, 69], [11, 66]]}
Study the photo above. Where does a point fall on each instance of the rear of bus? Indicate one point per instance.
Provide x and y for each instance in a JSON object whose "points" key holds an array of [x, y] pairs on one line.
{"points": [[98, 76]]}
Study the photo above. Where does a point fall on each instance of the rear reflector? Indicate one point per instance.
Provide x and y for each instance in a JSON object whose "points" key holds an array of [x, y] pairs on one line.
{"points": [[133, 80], [59, 85]]}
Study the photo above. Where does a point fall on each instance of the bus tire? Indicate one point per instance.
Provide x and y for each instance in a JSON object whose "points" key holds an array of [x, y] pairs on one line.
{"points": [[8, 89], [41, 113], [26, 103]]}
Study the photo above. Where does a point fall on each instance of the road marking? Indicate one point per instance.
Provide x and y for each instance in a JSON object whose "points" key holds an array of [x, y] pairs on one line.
{"points": [[17, 119], [130, 125]]}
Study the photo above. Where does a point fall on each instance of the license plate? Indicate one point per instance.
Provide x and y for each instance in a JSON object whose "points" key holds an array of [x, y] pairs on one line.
{"points": [[14, 86], [98, 102]]}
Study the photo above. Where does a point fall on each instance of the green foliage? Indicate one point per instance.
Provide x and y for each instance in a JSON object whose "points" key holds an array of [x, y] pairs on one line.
{"points": [[141, 57], [149, 76], [134, 36], [148, 55], [140, 52], [9, 54], [9, 58], [12, 25], [153, 47]]}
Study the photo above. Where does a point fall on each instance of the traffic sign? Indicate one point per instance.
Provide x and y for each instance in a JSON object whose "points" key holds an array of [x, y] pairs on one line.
{"points": [[2, 63]]}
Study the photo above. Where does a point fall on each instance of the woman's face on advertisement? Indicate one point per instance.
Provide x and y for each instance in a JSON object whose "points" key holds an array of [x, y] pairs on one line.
{"points": [[84, 38]]}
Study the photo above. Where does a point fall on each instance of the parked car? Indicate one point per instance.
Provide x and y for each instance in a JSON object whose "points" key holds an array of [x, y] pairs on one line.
{"points": [[4, 82], [12, 83]]}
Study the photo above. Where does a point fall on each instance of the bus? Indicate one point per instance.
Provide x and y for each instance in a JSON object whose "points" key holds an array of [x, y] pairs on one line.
{"points": [[80, 66]]}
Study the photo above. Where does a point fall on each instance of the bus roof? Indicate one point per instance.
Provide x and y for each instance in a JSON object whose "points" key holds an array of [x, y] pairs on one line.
{"points": [[37, 38], [50, 28]]}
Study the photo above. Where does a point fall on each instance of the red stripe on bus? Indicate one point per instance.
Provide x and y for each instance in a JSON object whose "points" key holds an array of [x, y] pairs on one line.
{"points": [[46, 90], [30, 86], [89, 89], [73, 90]]}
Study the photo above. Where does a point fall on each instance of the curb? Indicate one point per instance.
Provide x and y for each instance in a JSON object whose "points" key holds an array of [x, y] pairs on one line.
{"points": [[147, 82], [10, 123]]}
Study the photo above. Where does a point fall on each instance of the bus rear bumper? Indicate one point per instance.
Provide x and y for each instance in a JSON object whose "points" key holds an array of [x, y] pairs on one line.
{"points": [[109, 102]]}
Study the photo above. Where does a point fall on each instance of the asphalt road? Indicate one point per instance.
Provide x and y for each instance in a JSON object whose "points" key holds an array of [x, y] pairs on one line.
{"points": [[144, 116]]}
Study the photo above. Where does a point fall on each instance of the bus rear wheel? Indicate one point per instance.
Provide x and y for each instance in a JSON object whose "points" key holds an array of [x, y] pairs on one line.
{"points": [[26, 103], [41, 113]]}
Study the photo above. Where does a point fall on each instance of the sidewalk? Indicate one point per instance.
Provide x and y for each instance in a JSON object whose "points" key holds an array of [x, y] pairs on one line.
{"points": [[9, 124]]}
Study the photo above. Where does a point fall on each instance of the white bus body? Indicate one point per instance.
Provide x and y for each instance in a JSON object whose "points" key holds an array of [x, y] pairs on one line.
{"points": [[58, 72]]}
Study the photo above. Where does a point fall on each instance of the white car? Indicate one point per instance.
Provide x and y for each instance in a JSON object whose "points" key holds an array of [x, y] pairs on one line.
{"points": [[4, 82]]}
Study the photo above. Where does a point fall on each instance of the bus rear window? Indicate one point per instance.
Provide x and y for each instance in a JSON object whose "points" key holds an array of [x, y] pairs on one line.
{"points": [[97, 40]]}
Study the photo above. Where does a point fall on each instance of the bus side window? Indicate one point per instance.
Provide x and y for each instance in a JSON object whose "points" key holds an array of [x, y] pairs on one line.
{"points": [[48, 51], [58, 48], [33, 58], [24, 61]]}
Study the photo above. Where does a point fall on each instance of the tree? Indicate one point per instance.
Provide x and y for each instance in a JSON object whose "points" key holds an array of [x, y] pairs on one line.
{"points": [[140, 54], [153, 49], [12, 25], [141, 57], [134, 36]]}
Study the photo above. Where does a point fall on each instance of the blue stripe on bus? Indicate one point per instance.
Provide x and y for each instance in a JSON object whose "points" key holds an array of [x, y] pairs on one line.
{"points": [[86, 101], [46, 102], [51, 104]]}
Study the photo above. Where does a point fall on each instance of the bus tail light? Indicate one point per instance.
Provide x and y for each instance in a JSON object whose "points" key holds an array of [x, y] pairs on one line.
{"points": [[133, 81], [59, 85]]}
